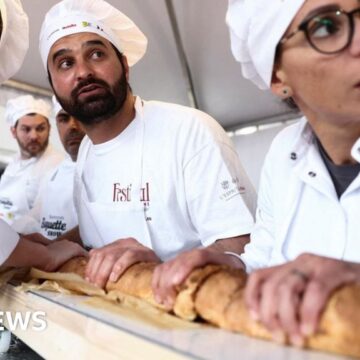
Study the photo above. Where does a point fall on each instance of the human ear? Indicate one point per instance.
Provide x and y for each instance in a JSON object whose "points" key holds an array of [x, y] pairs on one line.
{"points": [[13, 131], [279, 84]]}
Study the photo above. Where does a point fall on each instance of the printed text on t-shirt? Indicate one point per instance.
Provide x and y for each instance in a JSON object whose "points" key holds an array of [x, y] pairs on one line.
{"points": [[124, 194]]}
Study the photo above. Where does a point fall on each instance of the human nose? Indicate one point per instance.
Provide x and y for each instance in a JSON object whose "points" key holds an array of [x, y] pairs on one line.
{"points": [[83, 70], [74, 124], [33, 134]]}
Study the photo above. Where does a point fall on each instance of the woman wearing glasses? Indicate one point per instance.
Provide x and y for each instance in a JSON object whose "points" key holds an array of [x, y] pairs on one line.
{"points": [[307, 238]]}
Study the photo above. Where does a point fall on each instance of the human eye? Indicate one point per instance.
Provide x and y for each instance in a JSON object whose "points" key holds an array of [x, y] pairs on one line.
{"points": [[324, 26], [41, 128], [62, 118], [64, 64], [25, 129], [97, 54]]}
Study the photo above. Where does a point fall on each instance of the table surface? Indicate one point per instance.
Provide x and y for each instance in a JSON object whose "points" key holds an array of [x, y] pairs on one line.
{"points": [[78, 330]]}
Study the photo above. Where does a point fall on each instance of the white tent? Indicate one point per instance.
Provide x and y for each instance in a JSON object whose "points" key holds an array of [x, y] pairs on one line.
{"points": [[188, 61]]}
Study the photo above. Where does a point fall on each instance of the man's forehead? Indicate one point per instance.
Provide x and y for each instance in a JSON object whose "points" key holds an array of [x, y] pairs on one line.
{"points": [[78, 40], [32, 120], [62, 114]]}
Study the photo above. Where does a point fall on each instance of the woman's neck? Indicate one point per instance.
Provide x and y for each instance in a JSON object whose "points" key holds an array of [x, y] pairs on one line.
{"points": [[337, 140]]}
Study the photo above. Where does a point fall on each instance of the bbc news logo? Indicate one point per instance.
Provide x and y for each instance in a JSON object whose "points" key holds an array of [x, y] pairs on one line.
{"points": [[23, 320]]}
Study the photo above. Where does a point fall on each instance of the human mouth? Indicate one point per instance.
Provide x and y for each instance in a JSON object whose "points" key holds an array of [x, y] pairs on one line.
{"points": [[33, 145], [74, 139], [92, 88]]}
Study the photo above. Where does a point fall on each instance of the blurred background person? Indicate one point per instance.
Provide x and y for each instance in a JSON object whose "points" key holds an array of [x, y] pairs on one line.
{"points": [[29, 125]]}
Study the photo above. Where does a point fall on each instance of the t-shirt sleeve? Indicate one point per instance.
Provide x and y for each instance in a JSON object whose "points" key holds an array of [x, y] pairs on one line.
{"points": [[216, 188], [259, 250], [9, 238]]}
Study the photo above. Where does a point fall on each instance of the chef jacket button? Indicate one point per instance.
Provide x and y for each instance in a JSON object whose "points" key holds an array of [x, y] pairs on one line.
{"points": [[358, 149], [293, 156], [311, 174]]}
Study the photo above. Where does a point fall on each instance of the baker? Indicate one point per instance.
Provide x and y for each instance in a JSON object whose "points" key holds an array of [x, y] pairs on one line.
{"points": [[16, 250], [153, 180], [54, 212], [307, 228], [29, 124]]}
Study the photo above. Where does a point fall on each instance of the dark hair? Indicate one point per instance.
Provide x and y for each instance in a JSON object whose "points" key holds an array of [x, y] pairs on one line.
{"points": [[289, 102]]}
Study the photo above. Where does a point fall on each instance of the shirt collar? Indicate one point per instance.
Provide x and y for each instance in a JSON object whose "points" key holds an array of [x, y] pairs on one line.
{"points": [[355, 151]]}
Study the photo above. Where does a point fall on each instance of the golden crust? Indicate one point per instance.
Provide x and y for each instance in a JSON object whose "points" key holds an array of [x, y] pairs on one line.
{"points": [[185, 301], [340, 323], [76, 265], [136, 281], [216, 294]]}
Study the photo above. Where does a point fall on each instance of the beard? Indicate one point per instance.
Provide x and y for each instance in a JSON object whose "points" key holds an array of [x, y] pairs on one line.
{"points": [[97, 108], [72, 141], [33, 148]]}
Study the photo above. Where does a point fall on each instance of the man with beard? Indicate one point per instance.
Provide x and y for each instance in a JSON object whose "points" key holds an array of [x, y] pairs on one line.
{"points": [[28, 119], [54, 213], [154, 181], [15, 250]]}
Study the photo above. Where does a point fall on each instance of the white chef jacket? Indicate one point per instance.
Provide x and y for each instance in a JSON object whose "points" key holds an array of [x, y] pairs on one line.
{"points": [[298, 208], [54, 212], [8, 241], [20, 183], [172, 179]]}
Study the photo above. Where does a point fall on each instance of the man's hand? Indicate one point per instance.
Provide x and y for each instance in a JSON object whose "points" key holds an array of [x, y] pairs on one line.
{"points": [[289, 299], [169, 275], [72, 235], [110, 261], [38, 238], [61, 251]]}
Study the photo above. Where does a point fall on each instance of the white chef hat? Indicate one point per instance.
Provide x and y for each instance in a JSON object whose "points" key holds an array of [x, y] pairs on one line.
{"points": [[23, 105], [256, 27], [95, 16], [14, 40], [56, 106]]}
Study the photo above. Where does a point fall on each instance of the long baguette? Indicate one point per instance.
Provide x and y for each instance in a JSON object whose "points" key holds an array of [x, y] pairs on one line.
{"points": [[215, 294]]}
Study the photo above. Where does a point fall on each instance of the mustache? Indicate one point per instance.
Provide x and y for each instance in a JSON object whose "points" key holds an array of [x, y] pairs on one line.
{"points": [[74, 135], [33, 142], [86, 82]]}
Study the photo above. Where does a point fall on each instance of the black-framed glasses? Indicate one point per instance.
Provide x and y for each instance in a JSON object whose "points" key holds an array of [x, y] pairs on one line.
{"points": [[328, 32]]}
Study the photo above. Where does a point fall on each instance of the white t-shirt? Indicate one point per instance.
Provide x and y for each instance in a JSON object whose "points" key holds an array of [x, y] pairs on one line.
{"points": [[54, 212], [193, 184], [8, 241]]}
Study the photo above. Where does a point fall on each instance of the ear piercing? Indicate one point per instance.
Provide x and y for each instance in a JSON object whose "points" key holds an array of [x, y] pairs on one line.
{"points": [[286, 92]]}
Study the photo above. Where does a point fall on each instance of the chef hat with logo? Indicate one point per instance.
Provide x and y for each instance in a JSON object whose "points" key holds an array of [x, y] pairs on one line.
{"points": [[256, 27], [23, 105], [56, 106], [14, 40], [94, 16]]}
